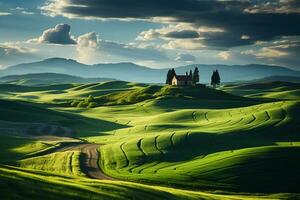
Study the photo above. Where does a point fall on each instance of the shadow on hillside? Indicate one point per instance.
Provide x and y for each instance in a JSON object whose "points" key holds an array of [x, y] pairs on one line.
{"points": [[29, 114], [193, 103]]}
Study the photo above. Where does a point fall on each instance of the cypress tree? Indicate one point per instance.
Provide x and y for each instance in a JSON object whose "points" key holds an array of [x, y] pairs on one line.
{"points": [[196, 75], [168, 77], [213, 79], [171, 73], [218, 79]]}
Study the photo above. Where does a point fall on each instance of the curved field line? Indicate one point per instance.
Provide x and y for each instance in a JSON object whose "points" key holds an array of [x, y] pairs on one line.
{"points": [[171, 139], [132, 168], [140, 148], [263, 122], [71, 162], [126, 158], [216, 124], [187, 137], [251, 121], [155, 171], [194, 116], [284, 113], [155, 144], [268, 115], [222, 123], [234, 123], [205, 115], [154, 164]]}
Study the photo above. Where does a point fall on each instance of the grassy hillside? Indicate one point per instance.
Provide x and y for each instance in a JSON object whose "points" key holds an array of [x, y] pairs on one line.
{"points": [[155, 92], [16, 183], [291, 79], [35, 120], [270, 90], [158, 137], [160, 144], [67, 163]]}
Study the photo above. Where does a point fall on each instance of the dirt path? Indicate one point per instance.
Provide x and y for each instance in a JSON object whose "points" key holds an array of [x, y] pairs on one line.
{"points": [[89, 160]]}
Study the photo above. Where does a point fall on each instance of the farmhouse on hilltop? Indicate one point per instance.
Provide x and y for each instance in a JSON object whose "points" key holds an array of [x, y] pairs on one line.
{"points": [[183, 80]]}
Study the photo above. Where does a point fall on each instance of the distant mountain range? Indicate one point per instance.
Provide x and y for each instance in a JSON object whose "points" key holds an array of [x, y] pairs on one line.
{"points": [[48, 78], [136, 73]]}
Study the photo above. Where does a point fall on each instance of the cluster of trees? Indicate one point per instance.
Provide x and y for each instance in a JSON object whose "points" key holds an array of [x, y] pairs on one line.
{"points": [[88, 102], [215, 79]]}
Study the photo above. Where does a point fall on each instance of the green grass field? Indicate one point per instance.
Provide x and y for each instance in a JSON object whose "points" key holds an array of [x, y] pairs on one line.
{"points": [[158, 142]]}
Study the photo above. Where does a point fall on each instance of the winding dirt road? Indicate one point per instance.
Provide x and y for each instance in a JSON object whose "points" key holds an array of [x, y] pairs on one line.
{"points": [[89, 160], [89, 164]]}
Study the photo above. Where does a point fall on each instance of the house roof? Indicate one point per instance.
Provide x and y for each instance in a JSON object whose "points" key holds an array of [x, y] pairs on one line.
{"points": [[184, 78]]}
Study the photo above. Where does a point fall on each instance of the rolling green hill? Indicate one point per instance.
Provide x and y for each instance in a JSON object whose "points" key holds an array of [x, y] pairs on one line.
{"points": [[158, 93], [267, 90], [291, 79], [18, 183], [157, 142], [172, 148]]}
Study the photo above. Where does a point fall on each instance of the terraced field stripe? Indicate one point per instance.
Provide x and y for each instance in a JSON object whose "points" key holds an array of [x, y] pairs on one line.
{"points": [[141, 150], [126, 158], [237, 122], [206, 117], [171, 139], [71, 162], [156, 145], [252, 120]]}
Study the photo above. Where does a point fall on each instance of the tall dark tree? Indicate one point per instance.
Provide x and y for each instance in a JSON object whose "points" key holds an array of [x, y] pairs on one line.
{"points": [[218, 78], [196, 77], [191, 73], [168, 80], [213, 79], [171, 73]]}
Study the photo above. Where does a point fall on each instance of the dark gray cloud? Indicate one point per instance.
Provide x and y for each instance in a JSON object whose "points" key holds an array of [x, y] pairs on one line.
{"points": [[60, 34], [182, 34], [256, 19]]}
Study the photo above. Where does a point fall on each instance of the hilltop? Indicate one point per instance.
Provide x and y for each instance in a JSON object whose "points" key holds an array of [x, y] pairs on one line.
{"points": [[153, 93]]}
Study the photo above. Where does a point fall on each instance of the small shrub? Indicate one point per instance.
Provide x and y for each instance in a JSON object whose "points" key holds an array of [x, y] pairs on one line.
{"points": [[74, 103], [92, 105]]}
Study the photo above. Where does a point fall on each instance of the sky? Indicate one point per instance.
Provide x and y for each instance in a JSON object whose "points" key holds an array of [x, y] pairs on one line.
{"points": [[154, 33]]}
